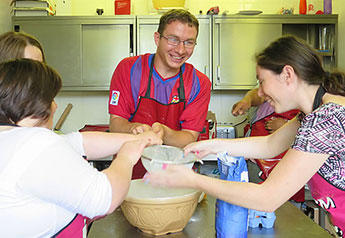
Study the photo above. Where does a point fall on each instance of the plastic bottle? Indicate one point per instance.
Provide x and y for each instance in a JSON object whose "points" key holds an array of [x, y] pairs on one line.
{"points": [[311, 7], [327, 6], [303, 6]]}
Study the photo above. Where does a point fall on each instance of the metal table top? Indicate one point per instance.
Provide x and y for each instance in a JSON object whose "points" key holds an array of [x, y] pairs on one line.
{"points": [[290, 223]]}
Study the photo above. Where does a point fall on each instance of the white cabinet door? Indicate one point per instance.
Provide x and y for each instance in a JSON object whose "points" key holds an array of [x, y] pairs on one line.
{"points": [[84, 50], [61, 45], [104, 46], [236, 41]]}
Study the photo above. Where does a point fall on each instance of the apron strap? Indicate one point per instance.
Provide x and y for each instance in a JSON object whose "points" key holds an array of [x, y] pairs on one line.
{"points": [[318, 97], [148, 91], [180, 89]]}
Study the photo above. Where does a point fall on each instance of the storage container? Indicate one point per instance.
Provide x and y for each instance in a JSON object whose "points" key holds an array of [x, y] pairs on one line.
{"points": [[160, 4], [122, 7]]}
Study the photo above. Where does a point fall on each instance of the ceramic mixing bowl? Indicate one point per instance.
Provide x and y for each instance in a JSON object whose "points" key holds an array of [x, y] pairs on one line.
{"points": [[159, 211], [154, 157]]}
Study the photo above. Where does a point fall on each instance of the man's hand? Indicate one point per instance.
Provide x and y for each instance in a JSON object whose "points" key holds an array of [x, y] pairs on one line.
{"points": [[151, 136], [138, 128], [158, 128], [240, 107]]}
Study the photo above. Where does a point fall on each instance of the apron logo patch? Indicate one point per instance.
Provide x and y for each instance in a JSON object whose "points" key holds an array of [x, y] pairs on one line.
{"points": [[175, 99], [115, 95]]}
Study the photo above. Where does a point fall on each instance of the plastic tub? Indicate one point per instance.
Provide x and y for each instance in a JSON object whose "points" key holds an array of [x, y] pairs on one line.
{"points": [[161, 4]]}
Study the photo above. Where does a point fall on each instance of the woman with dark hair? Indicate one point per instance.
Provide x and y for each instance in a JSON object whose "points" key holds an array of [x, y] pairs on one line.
{"points": [[47, 189], [291, 77], [17, 45]]}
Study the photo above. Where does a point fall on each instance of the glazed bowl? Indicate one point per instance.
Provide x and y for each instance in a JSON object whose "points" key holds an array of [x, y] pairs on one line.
{"points": [[155, 157], [159, 211]]}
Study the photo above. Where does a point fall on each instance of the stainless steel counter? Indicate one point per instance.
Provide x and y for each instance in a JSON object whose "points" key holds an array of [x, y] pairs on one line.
{"points": [[290, 223]]}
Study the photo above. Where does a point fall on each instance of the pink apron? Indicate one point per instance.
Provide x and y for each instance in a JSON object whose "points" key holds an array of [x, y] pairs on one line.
{"points": [[331, 199], [77, 228]]}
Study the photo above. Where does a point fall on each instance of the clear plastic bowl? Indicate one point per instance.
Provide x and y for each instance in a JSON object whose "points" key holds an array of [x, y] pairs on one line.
{"points": [[154, 157]]}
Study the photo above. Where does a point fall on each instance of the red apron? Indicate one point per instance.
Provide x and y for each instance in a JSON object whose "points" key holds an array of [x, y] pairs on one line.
{"points": [[267, 165], [150, 111], [76, 228]]}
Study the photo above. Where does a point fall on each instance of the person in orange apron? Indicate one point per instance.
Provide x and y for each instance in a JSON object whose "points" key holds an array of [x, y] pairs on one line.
{"points": [[161, 92]]}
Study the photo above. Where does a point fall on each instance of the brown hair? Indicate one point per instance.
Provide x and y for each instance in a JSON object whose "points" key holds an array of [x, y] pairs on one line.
{"points": [[27, 89], [12, 45], [289, 50], [177, 15]]}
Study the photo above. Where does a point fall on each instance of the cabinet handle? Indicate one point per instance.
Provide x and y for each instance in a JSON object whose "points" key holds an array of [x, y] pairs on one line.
{"points": [[205, 70], [218, 74]]}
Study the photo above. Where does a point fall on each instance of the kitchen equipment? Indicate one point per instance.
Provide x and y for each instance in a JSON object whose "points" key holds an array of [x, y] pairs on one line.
{"points": [[250, 12], [226, 130], [122, 7], [159, 211], [325, 38], [161, 4], [155, 157], [327, 6], [209, 130], [63, 117], [302, 6]]}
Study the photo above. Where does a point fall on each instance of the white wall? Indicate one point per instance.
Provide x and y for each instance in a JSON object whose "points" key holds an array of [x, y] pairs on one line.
{"points": [[91, 107], [5, 17]]}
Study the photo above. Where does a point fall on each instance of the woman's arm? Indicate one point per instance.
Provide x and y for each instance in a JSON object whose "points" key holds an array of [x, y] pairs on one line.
{"points": [[119, 172], [103, 144], [250, 147], [290, 174]]}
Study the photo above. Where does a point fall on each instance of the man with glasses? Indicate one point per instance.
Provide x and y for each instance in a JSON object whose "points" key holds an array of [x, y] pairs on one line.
{"points": [[161, 92]]}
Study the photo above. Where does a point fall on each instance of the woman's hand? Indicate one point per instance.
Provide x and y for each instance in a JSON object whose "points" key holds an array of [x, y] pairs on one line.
{"points": [[153, 138], [204, 147], [132, 150], [177, 176]]}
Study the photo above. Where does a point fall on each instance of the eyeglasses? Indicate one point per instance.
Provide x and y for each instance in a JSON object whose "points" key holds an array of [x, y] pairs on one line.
{"points": [[175, 41]]}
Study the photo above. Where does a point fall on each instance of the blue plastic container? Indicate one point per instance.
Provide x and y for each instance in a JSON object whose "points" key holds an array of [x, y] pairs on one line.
{"points": [[261, 219], [231, 220]]}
